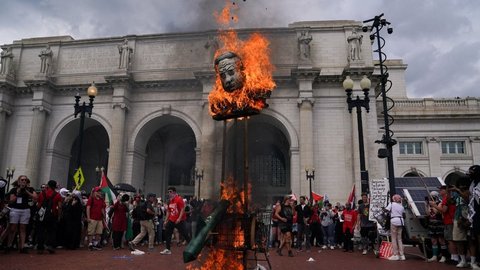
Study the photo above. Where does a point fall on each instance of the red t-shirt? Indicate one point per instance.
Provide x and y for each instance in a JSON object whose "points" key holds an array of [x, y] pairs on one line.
{"points": [[349, 219], [174, 207], [96, 208], [56, 200], [449, 215]]}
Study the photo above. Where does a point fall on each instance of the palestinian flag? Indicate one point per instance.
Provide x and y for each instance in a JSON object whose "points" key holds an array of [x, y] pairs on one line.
{"points": [[107, 189], [317, 197], [351, 197]]}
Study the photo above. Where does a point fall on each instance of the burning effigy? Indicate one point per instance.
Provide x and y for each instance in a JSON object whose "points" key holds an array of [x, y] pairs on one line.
{"points": [[243, 76], [242, 85]]}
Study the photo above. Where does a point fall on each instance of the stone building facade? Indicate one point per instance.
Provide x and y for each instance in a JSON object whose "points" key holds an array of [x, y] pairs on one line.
{"points": [[151, 127]]}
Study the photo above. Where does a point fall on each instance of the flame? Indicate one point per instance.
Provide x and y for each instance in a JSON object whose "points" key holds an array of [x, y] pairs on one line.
{"points": [[219, 259], [255, 55], [227, 13]]}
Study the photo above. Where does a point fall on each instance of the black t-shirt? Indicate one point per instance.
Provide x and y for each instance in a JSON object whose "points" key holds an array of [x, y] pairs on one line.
{"points": [[22, 198]]}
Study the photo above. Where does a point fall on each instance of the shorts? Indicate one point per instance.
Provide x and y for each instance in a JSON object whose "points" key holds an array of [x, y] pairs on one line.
{"points": [[95, 227], [448, 232], [21, 216], [457, 233]]}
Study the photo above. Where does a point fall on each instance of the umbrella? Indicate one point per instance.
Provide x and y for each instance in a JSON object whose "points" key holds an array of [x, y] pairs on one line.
{"points": [[124, 187]]}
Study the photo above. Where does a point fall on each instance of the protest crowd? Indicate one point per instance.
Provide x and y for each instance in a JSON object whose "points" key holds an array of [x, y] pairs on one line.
{"points": [[52, 218]]}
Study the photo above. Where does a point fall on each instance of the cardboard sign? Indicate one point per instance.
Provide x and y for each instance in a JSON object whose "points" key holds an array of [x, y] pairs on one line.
{"points": [[379, 189]]}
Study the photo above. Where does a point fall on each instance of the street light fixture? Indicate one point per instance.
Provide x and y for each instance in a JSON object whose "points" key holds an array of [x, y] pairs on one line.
{"points": [[82, 110], [358, 103], [378, 23], [310, 174], [10, 172], [199, 176]]}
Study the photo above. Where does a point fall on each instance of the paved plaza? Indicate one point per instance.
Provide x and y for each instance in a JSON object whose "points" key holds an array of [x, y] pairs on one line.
{"points": [[122, 259]]}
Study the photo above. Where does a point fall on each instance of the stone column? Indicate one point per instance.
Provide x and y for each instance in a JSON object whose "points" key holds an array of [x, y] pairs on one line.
{"points": [[120, 104], [210, 187], [41, 108], [475, 141], [434, 154], [305, 79]]}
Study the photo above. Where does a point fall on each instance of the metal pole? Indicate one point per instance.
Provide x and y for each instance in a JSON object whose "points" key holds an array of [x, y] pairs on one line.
{"points": [[388, 139], [80, 134], [361, 148], [311, 194]]}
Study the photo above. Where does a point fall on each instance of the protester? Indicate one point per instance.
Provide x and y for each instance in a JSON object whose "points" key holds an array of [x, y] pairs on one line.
{"points": [[285, 215], [303, 229], [18, 198], [72, 211], [368, 228], [436, 227], [146, 215], [95, 218], [119, 220], [349, 217], [328, 226], [397, 222], [50, 203], [175, 219]]}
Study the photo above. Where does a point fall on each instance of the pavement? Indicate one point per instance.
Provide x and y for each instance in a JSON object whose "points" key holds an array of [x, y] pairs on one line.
{"points": [[123, 259]]}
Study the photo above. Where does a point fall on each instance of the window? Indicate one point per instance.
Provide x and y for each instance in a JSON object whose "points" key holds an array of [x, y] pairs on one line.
{"points": [[410, 148], [453, 147]]}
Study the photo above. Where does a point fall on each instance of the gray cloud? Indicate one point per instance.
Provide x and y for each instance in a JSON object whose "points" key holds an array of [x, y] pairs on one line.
{"points": [[438, 39]]}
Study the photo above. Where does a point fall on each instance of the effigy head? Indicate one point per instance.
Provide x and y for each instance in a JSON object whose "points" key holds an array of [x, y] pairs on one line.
{"points": [[230, 68]]}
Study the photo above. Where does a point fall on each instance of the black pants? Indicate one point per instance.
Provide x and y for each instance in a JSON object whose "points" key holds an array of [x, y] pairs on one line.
{"points": [[46, 233], [348, 242], [169, 231], [117, 238]]}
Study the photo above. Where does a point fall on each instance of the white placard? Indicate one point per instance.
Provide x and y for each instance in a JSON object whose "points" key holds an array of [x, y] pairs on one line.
{"points": [[379, 189]]}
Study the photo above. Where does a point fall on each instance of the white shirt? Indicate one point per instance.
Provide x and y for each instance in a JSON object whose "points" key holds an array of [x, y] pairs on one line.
{"points": [[396, 213]]}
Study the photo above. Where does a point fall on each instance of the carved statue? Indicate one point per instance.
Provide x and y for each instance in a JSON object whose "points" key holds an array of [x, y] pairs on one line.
{"points": [[304, 45], [124, 50], [230, 68], [354, 46], [6, 61], [46, 60]]}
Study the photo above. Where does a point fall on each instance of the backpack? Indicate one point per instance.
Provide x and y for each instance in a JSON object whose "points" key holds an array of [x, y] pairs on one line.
{"points": [[140, 212], [45, 213]]}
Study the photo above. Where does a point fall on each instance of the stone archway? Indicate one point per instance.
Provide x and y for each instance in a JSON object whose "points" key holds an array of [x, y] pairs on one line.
{"points": [[268, 158], [94, 153], [167, 147], [457, 178]]}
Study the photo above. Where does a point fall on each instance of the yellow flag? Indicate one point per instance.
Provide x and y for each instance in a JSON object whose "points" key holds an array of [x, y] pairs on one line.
{"points": [[78, 178]]}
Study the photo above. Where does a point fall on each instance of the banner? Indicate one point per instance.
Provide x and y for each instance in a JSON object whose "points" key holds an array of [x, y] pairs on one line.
{"points": [[78, 178], [379, 189]]}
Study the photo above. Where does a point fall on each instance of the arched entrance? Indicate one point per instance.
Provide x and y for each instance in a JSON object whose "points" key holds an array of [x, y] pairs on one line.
{"points": [[94, 153], [168, 144], [268, 158], [457, 179]]}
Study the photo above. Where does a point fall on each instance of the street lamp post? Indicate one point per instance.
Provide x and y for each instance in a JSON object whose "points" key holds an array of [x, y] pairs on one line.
{"points": [[199, 176], [358, 103], [310, 174], [10, 172], [378, 23], [82, 110]]}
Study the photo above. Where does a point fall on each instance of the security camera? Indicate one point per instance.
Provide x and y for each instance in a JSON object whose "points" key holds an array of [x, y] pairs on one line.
{"points": [[372, 37], [365, 28], [389, 30]]}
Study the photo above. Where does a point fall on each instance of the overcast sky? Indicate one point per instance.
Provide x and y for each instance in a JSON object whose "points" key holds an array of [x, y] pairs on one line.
{"points": [[438, 39]]}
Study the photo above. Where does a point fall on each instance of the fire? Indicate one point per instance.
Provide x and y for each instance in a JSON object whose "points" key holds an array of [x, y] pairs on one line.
{"points": [[255, 55], [219, 259], [235, 196]]}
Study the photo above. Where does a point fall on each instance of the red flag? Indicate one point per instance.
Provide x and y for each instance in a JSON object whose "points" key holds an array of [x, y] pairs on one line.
{"points": [[351, 196], [316, 197]]}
